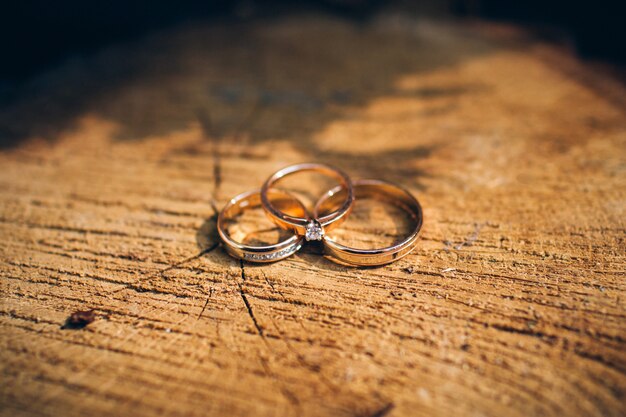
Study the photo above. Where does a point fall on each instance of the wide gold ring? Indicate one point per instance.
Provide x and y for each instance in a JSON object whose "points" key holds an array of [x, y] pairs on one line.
{"points": [[387, 192], [311, 228], [267, 253]]}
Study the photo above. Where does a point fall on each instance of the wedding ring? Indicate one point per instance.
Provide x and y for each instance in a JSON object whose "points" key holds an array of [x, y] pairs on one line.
{"points": [[268, 253], [381, 190], [310, 228]]}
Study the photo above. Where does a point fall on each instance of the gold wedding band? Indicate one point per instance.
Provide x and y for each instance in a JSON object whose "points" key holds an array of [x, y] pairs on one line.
{"points": [[310, 228], [370, 257], [268, 253]]}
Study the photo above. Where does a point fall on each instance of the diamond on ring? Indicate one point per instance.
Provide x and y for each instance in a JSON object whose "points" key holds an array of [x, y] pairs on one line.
{"points": [[314, 230]]}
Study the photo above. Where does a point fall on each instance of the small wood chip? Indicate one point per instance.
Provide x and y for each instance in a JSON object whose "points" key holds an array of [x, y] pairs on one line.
{"points": [[79, 319]]}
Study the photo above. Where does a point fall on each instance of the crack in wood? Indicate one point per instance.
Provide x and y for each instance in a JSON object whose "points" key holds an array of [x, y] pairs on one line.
{"points": [[291, 397], [132, 286], [242, 293], [208, 133], [189, 259], [207, 303]]}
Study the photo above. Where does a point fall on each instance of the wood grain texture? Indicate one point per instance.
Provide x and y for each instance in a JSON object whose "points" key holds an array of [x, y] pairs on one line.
{"points": [[512, 304]]}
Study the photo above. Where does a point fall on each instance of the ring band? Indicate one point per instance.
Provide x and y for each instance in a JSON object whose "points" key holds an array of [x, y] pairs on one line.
{"points": [[268, 253], [370, 257], [311, 229]]}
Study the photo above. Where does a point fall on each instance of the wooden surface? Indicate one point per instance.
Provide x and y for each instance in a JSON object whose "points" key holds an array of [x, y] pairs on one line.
{"points": [[513, 304]]}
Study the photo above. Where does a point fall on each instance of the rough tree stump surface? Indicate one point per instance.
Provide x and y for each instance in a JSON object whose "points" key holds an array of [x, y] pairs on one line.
{"points": [[512, 304]]}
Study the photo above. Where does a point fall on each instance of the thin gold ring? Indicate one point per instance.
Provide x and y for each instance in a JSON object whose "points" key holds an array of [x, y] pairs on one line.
{"points": [[311, 228], [267, 253], [370, 257]]}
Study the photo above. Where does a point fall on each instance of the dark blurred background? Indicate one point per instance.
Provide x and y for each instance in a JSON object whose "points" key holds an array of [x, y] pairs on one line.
{"points": [[37, 34]]}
